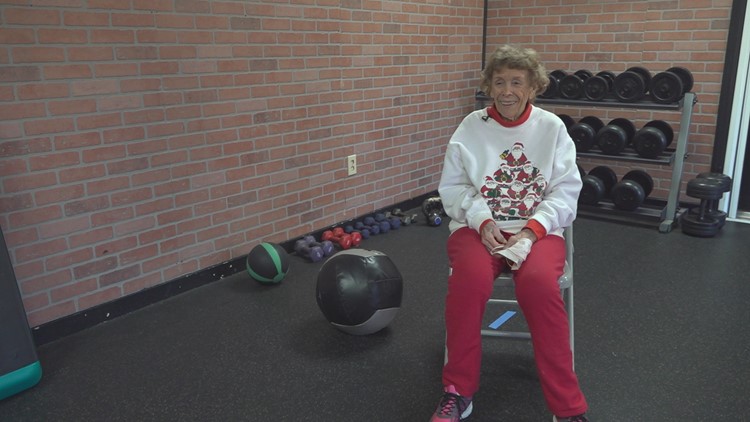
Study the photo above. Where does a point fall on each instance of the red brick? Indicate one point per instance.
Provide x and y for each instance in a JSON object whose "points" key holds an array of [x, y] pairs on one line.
{"points": [[175, 21], [16, 36], [60, 159], [122, 19], [82, 173], [56, 125], [67, 71], [112, 36], [37, 54], [88, 54], [44, 280], [62, 36], [73, 290], [58, 194], [110, 184], [31, 16], [16, 202], [40, 250], [99, 120], [94, 87], [66, 260], [21, 111], [86, 19], [68, 107], [108, 4], [28, 182]]}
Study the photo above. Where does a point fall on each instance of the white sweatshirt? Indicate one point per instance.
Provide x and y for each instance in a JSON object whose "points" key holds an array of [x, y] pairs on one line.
{"points": [[511, 174]]}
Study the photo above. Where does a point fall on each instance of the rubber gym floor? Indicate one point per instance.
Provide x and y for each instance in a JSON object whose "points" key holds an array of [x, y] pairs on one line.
{"points": [[661, 335]]}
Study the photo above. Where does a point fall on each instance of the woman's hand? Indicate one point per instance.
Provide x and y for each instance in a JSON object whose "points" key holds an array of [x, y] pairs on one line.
{"points": [[525, 233], [491, 236]]}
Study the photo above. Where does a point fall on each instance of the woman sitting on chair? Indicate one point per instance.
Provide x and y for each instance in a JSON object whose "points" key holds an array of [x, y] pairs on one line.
{"points": [[510, 185]]}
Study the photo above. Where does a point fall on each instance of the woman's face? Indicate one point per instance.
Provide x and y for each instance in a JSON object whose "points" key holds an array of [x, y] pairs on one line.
{"points": [[511, 90]]}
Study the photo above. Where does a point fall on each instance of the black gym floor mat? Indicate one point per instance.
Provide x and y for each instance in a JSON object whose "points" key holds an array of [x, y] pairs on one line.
{"points": [[661, 335]]}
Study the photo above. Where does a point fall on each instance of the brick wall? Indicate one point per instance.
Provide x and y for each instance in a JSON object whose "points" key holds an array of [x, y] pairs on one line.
{"points": [[142, 140], [615, 35]]}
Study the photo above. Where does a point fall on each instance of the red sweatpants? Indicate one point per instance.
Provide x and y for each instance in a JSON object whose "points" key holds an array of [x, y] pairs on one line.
{"points": [[474, 270]]}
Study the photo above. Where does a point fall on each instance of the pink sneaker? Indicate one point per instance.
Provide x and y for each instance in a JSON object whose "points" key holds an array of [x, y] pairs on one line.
{"points": [[452, 407]]}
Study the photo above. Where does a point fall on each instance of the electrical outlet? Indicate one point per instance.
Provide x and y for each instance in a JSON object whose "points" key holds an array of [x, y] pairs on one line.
{"points": [[351, 164]]}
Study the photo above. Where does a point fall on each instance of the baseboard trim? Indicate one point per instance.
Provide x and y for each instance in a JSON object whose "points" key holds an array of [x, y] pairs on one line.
{"points": [[79, 321]]}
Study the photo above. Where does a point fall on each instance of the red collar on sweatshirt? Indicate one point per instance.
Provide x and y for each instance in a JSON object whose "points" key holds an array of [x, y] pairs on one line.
{"points": [[492, 112]]}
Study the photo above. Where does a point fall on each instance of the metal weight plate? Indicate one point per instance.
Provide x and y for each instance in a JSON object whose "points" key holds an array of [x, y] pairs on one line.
{"points": [[629, 87], [627, 125], [593, 121], [666, 87], [611, 139], [584, 74], [703, 189], [664, 127], [685, 75], [609, 76], [724, 180], [649, 142], [596, 88], [552, 89], [642, 178], [627, 195], [694, 226], [616, 136], [571, 87], [645, 73], [558, 74], [567, 120], [584, 132], [712, 213], [606, 175], [592, 190]]}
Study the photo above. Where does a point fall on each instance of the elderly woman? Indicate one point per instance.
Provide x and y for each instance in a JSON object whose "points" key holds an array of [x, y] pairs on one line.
{"points": [[510, 185]]}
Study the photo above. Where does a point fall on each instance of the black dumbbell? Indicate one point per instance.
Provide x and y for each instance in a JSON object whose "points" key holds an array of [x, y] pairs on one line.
{"points": [[597, 184], [616, 136], [632, 84], [584, 132], [630, 192], [571, 86], [653, 138], [597, 87], [432, 208], [725, 183], [567, 121], [702, 223], [671, 85], [553, 88], [685, 75], [303, 248]]}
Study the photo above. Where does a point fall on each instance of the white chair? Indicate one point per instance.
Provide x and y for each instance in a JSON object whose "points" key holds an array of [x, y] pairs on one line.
{"points": [[566, 288]]}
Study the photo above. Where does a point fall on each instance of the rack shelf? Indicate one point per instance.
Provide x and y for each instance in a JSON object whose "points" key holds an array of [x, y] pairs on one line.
{"points": [[651, 212]]}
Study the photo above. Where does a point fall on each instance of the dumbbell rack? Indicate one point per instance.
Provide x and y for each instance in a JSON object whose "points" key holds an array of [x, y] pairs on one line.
{"points": [[651, 212]]}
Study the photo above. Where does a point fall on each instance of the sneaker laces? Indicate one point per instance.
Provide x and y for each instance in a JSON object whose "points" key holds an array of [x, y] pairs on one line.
{"points": [[579, 418], [449, 402]]}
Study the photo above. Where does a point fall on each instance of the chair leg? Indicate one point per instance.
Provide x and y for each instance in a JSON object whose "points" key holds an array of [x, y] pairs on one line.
{"points": [[571, 322]]}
